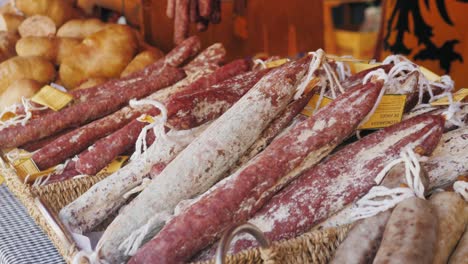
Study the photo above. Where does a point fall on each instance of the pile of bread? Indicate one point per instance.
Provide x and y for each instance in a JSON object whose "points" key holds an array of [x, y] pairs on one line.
{"points": [[45, 41]]}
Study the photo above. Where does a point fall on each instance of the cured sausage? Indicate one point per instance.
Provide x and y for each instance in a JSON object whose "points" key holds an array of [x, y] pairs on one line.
{"points": [[362, 241], [170, 9], [276, 126], [79, 139], [449, 159], [106, 149], [341, 179], [87, 214], [460, 255], [239, 196], [206, 159], [205, 8], [410, 235], [448, 208], [181, 21], [364, 238], [108, 195], [82, 113]]}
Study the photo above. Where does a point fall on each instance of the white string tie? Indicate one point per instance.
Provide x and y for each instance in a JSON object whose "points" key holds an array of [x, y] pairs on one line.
{"points": [[137, 237], [316, 61], [158, 127], [461, 187], [139, 188], [381, 198], [261, 63]]}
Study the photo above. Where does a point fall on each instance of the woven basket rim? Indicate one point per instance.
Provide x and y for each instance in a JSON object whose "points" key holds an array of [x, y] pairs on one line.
{"points": [[27, 195]]}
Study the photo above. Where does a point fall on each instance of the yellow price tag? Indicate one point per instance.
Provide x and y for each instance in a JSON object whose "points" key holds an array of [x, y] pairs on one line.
{"points": [[26, 167], [431, 76], [52, 98], [146, 118], [459, 96], [276, 63], [310, 107], [1, 179], [360, 66], [347, 59], [388, 112], [7, 115], [114, 166]]}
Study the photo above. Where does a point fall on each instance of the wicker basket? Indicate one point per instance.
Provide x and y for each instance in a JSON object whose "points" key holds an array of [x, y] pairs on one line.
{"points": [[312, 247]]}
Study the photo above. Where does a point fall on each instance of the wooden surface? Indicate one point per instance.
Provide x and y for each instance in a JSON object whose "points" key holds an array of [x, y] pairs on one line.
{"points": [[276, 27]]}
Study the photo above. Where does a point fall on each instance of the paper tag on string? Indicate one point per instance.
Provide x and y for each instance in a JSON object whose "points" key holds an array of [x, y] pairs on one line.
{"points": [[114, 166], [26, 167], [52, 98], [146, 119], [7, 115], [388, 112], [431, 76], [347, 59], [360, 66], [310, 107], [459, 96], [276, 63]]}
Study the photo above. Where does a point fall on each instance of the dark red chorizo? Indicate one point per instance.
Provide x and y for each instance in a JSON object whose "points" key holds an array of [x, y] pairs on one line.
{"points": [[239, 196], [341, 179], [82, 113]]}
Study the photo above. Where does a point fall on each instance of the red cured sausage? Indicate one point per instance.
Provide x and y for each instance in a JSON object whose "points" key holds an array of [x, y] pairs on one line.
{"points": [[279, 124], [341, 179], [181, 21], [238, 197], [170, 9], [205, 8], [82, 113], [79, 139], [175, 58], [106, 149], [215, 17]]}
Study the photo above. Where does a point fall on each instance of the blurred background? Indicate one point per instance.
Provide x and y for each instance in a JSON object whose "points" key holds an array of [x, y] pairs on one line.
{"points": [[429, 32]]}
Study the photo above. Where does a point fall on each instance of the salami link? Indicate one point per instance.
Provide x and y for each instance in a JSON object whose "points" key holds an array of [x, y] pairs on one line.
{"points": [[205, 8], [85, 112], [460, 255], [105, 150], [194, 17], [239, 196], [181, 21], [448, 208], [170, 9], [414, 226], [364, 238], [87, 215], [449, 160], [206, 159], [79, 139], [278, 125], [175, 58], [341, 179]]}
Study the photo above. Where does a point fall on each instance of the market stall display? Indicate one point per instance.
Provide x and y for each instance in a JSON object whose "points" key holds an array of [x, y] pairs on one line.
{"points": [[164, 153]]}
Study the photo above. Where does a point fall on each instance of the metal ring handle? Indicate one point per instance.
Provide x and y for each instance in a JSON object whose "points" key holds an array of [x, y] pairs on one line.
{"points": [[226, 239]]}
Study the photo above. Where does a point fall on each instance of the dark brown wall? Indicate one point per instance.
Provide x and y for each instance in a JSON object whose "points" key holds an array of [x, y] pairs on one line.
{"points": [[277, 27]]}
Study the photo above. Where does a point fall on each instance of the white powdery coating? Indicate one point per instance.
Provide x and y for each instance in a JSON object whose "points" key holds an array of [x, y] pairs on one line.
{"points": [[449, 160], [204, 108], [336, 187], [103, 198], [204, 161]]}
